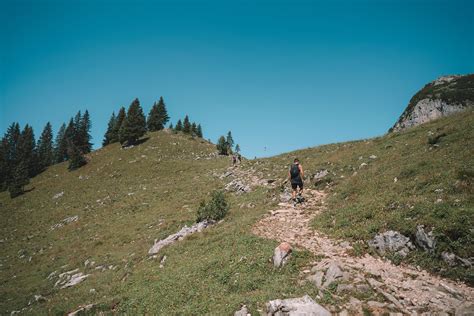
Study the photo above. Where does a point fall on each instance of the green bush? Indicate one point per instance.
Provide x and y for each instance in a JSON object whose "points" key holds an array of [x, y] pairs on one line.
{"points": [[215, 209]]}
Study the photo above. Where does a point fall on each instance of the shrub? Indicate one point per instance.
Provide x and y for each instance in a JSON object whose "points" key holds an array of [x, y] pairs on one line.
{"points": [[215, 209]]}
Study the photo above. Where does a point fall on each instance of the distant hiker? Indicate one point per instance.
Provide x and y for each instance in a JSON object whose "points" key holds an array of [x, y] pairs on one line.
{"points": [[296, 175], [234, 160], [239, 157]]}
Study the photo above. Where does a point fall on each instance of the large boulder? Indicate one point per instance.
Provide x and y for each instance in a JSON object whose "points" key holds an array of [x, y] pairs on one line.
{"points": [[296, 306], [391, 241], [281, 254], [425, 240]]}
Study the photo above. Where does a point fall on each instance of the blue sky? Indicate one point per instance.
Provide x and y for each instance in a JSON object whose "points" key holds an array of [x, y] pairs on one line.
{"points": [[281, 75]]}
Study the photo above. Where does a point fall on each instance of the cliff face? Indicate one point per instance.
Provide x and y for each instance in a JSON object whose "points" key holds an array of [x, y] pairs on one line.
{"points": [[444, 96]]}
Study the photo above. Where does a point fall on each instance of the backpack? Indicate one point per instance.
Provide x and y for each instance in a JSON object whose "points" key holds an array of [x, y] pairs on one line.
{"points": [[294, 171]]}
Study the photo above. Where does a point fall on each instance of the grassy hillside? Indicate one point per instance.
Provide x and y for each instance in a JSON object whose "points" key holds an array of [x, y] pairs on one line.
{"points": [[124, 200], [421, 176], [127, 198]]}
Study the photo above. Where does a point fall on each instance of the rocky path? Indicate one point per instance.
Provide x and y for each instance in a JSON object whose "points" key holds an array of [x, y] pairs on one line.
{"points": [[400, 288]]}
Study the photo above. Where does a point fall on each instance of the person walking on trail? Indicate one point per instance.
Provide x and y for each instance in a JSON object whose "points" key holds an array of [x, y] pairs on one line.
{"points": [[296, 175]]}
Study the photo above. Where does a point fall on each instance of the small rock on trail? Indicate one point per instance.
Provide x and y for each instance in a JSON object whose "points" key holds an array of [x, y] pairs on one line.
{"points": [[296, 306], [281, 254]]}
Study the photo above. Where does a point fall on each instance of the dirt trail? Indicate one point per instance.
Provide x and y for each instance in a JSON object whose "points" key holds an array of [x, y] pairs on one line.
{"points": [[404, 288]]}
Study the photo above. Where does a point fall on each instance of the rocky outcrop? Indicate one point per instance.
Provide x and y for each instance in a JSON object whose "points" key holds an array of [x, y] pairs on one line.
{"points": [[424, 239], [185, 231], [444, 96], [391, 241], [296, 306]]}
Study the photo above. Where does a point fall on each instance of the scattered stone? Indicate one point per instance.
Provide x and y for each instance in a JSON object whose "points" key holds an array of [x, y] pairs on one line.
{"points": [[237, 186], [374, 304], [243, 311], [425, 240], [320, 175], [281, 254], [362, 165], [449, 258], [344, 288], [296, 306], [185, 231], [65, 221], [162, 261], [373, 157], [81, 310], [58, 195], [391, 241], [333, 273], [70, 278], [316, 279]]}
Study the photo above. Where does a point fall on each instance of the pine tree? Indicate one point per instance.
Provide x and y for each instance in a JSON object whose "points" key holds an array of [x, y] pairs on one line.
{"points": [[76, 159], [134, 125], [84, 128], [237, 148], [186, 125], [118, 124], [27, 150], [222, 146], [76, 128], [194, 129], [179, 126], [3, 164], [230, 142], [12, 137], [171, 126], [153, 121], [163, 114], [19, 179], [110, 128], [60, 145], [45, 148], [199, 131]]}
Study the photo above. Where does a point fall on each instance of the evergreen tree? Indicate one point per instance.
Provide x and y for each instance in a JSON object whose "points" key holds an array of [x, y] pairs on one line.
{"points": [[76, 159], [230, 142], [19, 179], [45, 148], [237, 148], [199, 131], [27, 150], [222, 146], [186, 125], [134, 125], [84, 136], [153, 121], [194, 129], [179, 126], [110, 129], [163, 114], [10, 145], [60, 145], [118, 124], [76, 127], [3, 164], [170, 126]]}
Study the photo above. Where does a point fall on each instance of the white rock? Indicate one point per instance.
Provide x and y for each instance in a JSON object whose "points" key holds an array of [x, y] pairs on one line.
{"points": [[296, 306]]}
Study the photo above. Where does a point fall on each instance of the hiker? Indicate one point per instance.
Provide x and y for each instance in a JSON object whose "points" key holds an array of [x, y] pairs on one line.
{"points": [[239, 157], [234, 160], [296, 175]]}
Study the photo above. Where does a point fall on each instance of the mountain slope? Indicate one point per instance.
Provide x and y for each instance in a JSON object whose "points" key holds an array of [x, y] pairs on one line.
{"points": [[124, 199], [443, 96]]}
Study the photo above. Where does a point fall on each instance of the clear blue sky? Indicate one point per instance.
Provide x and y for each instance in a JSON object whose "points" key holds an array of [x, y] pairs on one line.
{"points": [[281, 75]]}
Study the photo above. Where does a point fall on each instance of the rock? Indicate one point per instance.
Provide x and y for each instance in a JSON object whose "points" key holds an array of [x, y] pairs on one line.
{"points": [[391, 241], [296, 306], [333, 273], [281, 254], [362, 165], [373, 157], [70, 278], [185, 231], [374, 304], [243, 311], [316, 279], [425, 240], [318, 176], [449, 258], [344, 288], [465, 309], [58, 195], [285, 197], [81, 310], [65, 221], [237, 186]]}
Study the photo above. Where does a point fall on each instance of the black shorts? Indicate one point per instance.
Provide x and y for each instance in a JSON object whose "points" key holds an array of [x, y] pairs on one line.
{"points": [[294, 185]]}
